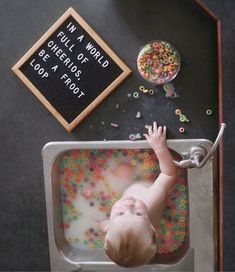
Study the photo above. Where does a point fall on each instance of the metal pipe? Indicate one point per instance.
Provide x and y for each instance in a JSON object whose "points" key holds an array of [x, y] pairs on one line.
{"points": [[216, 143]]}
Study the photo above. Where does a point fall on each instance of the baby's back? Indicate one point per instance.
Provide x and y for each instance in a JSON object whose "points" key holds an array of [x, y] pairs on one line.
{"points": [[138, 189]]}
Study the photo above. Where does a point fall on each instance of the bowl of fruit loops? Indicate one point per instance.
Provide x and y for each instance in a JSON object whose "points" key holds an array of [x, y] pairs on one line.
{"points": [[158, 62]]}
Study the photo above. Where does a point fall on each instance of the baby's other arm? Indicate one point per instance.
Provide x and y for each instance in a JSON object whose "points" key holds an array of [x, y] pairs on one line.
{"points": [[158, 192]]}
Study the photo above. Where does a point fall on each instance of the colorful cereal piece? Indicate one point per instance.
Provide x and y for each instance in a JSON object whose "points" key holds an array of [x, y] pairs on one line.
{"points": [[168, 87], [208, 112], [133, 162], [132, 137], [136, 95], [181, 130], [142, 88], [178, 112], [151, 92], [182, 118], [114, 125], [138, 115]]}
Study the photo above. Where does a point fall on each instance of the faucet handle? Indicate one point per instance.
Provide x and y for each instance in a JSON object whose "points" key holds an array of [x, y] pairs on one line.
{"points": [[197, 156], [193, 158]]}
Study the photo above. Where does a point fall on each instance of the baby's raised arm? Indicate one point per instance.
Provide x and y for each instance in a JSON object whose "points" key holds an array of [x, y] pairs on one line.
{"points": [[158, 192], [156, 138]]}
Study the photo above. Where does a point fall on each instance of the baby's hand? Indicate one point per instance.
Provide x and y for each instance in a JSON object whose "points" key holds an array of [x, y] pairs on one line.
{"points": [[156, 137]]}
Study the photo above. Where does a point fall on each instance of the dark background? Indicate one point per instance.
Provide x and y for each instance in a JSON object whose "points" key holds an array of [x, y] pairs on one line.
{"points": [[26, 125]]}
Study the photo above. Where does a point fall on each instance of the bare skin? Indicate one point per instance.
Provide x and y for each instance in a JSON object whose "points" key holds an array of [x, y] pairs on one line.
{"points": [[142, 203]]}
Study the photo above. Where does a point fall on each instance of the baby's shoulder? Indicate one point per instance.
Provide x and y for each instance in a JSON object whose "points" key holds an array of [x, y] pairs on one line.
{"points": [[138, 187]]}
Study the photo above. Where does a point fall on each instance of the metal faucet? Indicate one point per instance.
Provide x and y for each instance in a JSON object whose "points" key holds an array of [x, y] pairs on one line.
{"points": [[197, 156]]}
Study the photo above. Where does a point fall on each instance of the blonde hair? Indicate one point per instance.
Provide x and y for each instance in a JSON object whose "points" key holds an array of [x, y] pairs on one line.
{"points": [[131, 249]]}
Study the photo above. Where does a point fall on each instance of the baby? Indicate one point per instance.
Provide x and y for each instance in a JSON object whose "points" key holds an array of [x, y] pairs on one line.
{"points": [[129, 232]]}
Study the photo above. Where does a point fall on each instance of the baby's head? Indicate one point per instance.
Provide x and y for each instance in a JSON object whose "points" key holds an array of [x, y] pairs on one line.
{"points": [[129, 235]]}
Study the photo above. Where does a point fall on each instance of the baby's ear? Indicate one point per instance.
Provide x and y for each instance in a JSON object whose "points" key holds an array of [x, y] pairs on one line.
{"points": [[104, 225]]}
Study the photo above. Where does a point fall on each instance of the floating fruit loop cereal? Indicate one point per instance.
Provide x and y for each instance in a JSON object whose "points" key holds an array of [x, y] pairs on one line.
{"points": [[158, 62], [86, 191]]}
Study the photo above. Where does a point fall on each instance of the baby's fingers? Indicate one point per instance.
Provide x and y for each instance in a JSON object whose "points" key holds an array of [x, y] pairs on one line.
{"points": [[150, 130], [154, 126], [147, 137], [164, 131], [159, 130]]}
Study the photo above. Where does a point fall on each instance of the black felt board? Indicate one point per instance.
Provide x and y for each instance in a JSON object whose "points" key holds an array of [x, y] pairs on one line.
{"points": [[71, 71]]}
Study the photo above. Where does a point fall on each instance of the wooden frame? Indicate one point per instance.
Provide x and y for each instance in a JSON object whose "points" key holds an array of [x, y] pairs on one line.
{"points": [[99, 41]]}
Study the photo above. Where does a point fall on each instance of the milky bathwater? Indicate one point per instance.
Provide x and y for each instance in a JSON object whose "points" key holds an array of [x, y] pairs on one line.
{"points": [[93, 180]]}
